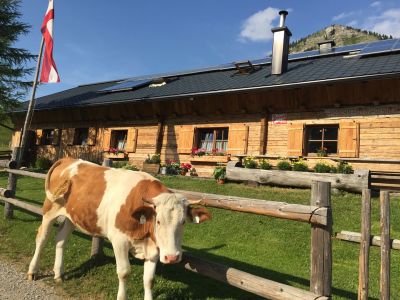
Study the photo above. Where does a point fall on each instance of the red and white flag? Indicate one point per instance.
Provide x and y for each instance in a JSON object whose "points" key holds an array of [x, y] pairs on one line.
{"points": [[49, 70]]}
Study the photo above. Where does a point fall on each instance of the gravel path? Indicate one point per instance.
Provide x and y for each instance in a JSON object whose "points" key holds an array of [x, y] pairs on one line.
{"points": [[15, 286]]}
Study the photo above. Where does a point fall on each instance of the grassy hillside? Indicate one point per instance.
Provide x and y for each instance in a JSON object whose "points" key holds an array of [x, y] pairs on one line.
{"points": [[342, 35], [5, 136]]}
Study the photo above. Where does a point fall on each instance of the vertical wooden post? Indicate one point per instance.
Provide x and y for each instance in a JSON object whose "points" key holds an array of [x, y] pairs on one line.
{"points": [[263, 134], [385, 246], [321, 242], [364, 245], [12, 185], [97, 242]]}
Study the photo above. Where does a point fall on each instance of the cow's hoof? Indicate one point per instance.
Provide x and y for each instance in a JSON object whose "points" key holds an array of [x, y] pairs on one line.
{"points": [[31, 277], [58, 280]]}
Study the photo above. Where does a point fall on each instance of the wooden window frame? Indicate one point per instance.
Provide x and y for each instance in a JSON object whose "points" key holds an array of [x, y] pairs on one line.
{"points": [[307, 139], [76, 133], [47, 141], [113, 137], [214, 142]]}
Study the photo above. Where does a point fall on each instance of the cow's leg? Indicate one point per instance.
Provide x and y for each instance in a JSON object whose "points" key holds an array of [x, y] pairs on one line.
{"points": [[62, 235], [148, 276], [121, 251], [41, 239]]}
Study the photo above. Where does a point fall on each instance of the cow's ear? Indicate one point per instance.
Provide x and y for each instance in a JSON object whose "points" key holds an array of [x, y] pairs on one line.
{"points": [[143, 214], [198, 214]]}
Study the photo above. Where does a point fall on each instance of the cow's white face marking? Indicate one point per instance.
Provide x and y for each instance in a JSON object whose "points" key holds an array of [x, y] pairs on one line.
{"points": [[170, 217]]}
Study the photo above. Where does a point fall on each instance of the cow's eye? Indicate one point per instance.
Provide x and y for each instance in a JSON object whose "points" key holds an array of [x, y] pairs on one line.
{"points": [[158, 222]]}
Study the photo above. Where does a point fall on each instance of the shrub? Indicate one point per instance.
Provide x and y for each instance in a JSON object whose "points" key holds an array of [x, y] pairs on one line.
{"points": [[119, 164], [322, 167], [173, 167], [130, 167], [300, 166], [43, 163], [265, 165], [344, 168], [249, 162], [284, 165], [155, 159], [219, 172]]}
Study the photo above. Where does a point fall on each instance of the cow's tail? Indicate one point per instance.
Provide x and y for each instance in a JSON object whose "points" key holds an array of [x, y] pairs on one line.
{"points": [[61, 189]]}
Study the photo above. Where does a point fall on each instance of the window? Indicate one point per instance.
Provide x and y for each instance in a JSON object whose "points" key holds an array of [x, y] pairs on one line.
{"points": [[322, 139], [118, 139], [47, 137], [213, 138], [81, 136]]}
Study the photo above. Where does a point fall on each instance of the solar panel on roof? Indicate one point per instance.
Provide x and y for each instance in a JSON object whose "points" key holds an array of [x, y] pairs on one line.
{"points": [[380, 46], [126, 85]]}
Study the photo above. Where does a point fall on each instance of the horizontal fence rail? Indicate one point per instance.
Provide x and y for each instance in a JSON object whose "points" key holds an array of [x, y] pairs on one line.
{"points": [[245, 281], [355, 237], [295, 212], [318, 215]]}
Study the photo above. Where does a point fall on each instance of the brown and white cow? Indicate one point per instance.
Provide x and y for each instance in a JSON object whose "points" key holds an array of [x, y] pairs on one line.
{"points": [[134, 210]]}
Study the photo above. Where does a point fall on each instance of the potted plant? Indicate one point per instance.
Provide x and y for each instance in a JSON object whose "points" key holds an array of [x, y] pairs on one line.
{"points": [[220, 174], [163, 169], [193, 172], [185, 167], [152, 164]]}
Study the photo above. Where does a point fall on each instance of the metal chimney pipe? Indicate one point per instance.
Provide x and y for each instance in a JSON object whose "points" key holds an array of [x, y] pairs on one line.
{"points": [[280, 47], [283, 14]]}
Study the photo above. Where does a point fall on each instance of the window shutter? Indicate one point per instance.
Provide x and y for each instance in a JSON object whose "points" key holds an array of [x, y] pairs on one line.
{"points": [[295, 139], [39, 134], [56, 137], [185, 141], [237, 139], [16, 137], [70, 136], [106, 139], [349, 138], [92, 135], [131, 140]]}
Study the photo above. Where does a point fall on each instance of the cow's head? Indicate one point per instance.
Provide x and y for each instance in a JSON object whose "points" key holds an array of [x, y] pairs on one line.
{"points": [[172, 210]]}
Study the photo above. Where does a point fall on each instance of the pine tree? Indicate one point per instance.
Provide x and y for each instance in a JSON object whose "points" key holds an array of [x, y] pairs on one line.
{"points": [[13, 61]]}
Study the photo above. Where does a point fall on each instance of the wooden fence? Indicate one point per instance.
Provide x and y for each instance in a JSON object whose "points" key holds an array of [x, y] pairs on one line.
{"points": [[318, 214], [365, 239]]}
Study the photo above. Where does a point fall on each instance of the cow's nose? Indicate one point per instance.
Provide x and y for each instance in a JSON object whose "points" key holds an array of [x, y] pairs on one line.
{"points": [[171, 259]]}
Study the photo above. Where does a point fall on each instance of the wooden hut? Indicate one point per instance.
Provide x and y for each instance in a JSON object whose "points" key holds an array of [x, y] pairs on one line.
{"points": [[343, 100]]}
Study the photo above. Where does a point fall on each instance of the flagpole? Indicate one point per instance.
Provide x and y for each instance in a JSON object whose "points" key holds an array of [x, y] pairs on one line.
{"points": [[29, 113]]}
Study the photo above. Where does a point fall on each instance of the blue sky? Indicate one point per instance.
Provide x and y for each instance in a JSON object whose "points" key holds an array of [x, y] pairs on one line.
{"points": [[99, 40]]}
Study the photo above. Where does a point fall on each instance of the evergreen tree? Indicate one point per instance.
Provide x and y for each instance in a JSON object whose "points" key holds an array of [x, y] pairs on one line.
{"points": [[13, 61]]}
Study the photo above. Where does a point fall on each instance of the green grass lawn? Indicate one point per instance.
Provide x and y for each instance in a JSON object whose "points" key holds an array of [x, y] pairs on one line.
{"points": [[272, 248]]}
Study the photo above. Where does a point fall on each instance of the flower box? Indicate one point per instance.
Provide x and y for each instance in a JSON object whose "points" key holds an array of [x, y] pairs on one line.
{"points": [[112, 155], [211, 158], [151, 168]]}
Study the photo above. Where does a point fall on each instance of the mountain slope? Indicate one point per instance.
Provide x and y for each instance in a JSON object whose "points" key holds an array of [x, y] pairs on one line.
{"points": [[342, 35]]}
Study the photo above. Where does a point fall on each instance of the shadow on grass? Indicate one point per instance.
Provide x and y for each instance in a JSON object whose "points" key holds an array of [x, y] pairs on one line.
{"points": [[201, 287]]}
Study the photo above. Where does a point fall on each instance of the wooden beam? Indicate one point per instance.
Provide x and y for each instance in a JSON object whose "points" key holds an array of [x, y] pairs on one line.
{"points": [[263, 134], [385, 246], [375, 240], [245, 281], [159, 136], [282, 210], [363, 273], [321, 242]]}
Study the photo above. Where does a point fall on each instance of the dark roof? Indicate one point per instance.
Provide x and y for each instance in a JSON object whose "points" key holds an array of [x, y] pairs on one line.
{"points": [[302, 70]]}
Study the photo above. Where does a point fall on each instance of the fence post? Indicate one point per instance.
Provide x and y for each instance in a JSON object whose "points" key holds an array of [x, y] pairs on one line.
{"points": [[385, 246], [97, 242], [321, 242], [12, 185], [363, 269]]}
